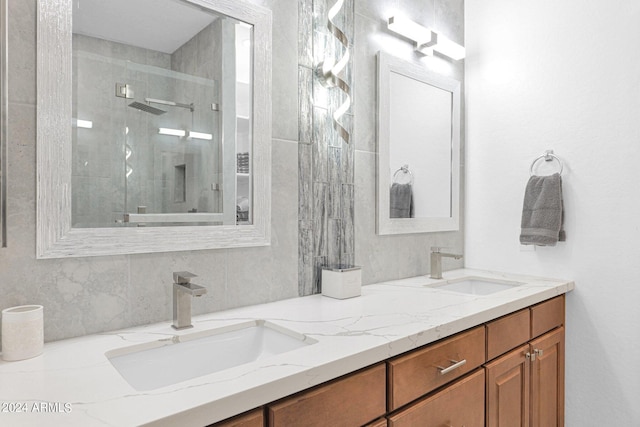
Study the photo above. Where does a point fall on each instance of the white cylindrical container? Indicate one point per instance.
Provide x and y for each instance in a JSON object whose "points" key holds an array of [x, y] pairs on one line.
{"points": [[22, 332]]}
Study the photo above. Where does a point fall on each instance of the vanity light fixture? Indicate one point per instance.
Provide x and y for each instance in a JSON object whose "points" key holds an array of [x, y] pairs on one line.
{"points": [[200, 135], [86, 124], [447, 47], [409, 29], [427, 40], [172, 132]]}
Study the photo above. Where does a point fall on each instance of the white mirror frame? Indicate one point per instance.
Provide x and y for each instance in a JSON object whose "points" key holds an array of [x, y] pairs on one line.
{"points": [[55, 236], [4, 119], [385, 225]]}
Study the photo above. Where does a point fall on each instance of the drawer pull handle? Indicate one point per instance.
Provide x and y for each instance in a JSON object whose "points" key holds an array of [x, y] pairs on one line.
{"points": [[456, 365]]}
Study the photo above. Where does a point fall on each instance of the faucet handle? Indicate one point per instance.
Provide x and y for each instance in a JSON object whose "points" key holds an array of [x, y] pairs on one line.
{"points": [[183, 277]]}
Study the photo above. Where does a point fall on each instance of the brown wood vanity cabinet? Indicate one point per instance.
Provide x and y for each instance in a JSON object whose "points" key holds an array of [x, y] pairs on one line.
{"points": [[525, 386], [507, 372]]}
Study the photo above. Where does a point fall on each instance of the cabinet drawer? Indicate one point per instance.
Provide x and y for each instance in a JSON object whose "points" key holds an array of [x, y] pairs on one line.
{"points": [[419, 372], [547, 315], [507, 333], [351, 401], [253, 418], [460, 404]]}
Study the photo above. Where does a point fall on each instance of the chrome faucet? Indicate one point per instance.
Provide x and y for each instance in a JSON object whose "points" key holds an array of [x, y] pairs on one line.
{"points": [[436, 261], [183, 290]]}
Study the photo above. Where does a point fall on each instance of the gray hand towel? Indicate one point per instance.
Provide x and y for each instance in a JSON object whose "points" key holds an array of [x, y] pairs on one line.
{"points": [[401, 201], [542, 211]]}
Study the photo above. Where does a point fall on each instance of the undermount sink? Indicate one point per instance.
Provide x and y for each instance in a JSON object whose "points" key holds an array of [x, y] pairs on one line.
{"points": [[475, 285], [183, 357]]}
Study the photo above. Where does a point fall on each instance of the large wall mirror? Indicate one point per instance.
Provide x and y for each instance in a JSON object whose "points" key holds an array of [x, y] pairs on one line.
{"points": [[418, 149], [154, 126]]}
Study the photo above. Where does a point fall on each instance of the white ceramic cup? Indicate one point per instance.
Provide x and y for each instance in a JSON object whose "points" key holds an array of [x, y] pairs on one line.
{"points": [[22, 332]]}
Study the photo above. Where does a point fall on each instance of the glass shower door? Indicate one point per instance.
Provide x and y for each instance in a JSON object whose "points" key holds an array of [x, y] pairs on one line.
{"points": [[173, 150]]}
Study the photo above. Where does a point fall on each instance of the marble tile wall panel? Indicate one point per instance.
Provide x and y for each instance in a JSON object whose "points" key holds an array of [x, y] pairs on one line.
{"points": [[305, 104], [305, 40], [305, 259], [334, 235], [320, 218], [319, 262], [321, 134], [331, 156], [348, 219], [305, 183]]}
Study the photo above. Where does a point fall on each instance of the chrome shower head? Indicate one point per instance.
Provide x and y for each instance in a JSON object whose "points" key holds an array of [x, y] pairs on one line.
{"points": [[146, 108]]}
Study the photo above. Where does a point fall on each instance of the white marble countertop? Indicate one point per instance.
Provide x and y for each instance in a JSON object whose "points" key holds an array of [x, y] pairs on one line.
{"points": [[82, 388]]}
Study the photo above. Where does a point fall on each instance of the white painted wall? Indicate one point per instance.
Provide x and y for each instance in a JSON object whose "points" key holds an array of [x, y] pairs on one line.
{"points": [[564, 75]]}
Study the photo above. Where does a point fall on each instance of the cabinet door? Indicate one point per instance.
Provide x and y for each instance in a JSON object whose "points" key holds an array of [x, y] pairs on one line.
{"points": [[547, 380], [459, 404], [351, 401], [508, 382]]}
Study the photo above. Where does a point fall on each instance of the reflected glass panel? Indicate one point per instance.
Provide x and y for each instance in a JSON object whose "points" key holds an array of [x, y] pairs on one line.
{"points": [[420, 135], [161, 115]]}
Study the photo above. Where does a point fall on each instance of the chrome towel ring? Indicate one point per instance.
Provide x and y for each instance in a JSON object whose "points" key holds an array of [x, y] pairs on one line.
{"points": [[548, 156], [405, 170]]}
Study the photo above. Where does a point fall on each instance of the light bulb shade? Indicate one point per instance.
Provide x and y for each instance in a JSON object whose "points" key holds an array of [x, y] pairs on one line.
{"points": [[407, 28], [86, 124], [200, 135], [427, 40], [447, 47], [172, 132]]}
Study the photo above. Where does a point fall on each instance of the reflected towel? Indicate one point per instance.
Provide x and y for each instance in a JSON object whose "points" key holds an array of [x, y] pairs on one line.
{"points": [[401, 201], [542, 211], [242, 204]]}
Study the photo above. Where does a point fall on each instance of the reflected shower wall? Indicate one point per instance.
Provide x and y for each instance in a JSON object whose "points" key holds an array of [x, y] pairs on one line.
{"points": [[123, 96]]}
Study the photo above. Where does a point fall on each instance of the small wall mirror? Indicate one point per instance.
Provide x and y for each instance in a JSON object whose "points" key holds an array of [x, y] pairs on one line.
{"points": [[157, 137], [418, 149]]}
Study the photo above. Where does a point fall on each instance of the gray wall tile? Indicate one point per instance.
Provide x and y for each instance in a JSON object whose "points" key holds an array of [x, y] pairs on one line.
{"points": [[22, 51]]}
